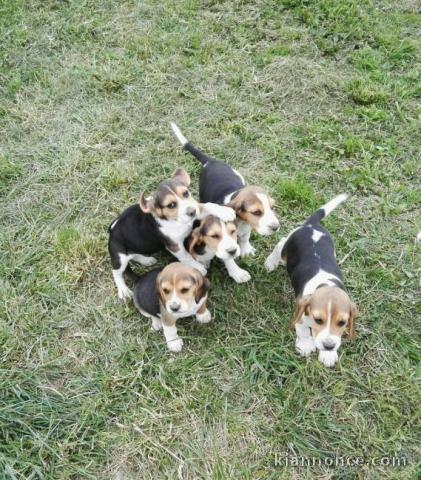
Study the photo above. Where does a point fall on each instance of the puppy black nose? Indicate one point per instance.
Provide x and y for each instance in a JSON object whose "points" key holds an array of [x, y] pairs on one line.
{"points": [[232, 251], [328, 345], [175, 307], [274, 226], [191, 212]]}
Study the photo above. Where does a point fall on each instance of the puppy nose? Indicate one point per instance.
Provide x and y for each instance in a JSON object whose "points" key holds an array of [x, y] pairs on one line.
{"points": [[274, 226], [175, 307], [328, 345], [191, 211], [232, 251]]}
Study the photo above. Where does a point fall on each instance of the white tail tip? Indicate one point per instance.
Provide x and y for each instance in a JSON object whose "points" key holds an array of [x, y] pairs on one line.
{"points": [[332, 204], [177, 132]]}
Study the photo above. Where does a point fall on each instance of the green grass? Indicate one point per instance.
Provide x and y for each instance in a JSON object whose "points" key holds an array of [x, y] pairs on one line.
{"points": [[309, 99]]}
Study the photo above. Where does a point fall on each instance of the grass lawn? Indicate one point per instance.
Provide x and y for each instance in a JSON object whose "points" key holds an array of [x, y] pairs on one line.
{"points": [[307, 98]]}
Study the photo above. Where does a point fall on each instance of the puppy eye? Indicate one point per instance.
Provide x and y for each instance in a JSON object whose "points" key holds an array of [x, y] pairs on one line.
{"points": [[341, 323], [258, 213], [172, 205], [232, 231], [319, 321], [215, 235], [166, 291], [186, 194], [184, 290]]}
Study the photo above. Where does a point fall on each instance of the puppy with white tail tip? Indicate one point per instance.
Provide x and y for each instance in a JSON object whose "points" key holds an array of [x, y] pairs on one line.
{"points": [[221, 184], [324, 310]]}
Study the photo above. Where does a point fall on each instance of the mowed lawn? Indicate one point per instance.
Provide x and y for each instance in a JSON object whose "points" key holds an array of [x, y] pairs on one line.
{"points": [[308, 99]]}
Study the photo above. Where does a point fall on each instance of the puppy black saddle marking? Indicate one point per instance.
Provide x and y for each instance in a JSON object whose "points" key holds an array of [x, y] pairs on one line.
{"points": [[145, 295], [306, 257], [217, 179]]}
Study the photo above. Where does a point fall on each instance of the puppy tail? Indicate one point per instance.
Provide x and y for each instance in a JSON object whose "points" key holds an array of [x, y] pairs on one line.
{"points": [[324, 211], [203, 159]]}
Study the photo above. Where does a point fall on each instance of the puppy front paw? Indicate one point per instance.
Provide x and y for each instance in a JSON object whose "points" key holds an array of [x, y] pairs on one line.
{"points": [[305, 346], [175, 345], [124, 293], [201, 268], [204, 317], [247, 249], [156, 324], [240, 275], [328, 358]]}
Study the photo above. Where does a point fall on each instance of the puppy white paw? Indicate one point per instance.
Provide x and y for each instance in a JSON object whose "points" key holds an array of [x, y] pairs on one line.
{"points": [[328, 358], [247, 249], [198, 266], [271, 263], [156, 325], [204, 317], [148, 261], [226, 214], [124, 293], [175, 345], [305, 346], [240, 275]]}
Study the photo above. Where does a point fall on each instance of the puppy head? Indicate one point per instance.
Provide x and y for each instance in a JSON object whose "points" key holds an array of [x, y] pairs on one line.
{"points": [[254, 206], [217, 236], [180, 288], [330, 312], [172, 199]]}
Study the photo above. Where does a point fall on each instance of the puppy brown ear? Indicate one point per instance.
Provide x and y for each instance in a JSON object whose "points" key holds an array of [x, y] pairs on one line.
{"points": [[193, 240], [203, 286], [302, 306], [159, 289], [182, 175], [237, 204], [353, 314], [144, 204]]}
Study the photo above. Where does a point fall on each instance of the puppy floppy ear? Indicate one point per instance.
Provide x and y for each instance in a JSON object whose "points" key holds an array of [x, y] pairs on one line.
{"points": [[159, 290], [181, 175], [202, 287], [144, 204], [237, 204], [301, 307], [193, 240], [353, 314]]}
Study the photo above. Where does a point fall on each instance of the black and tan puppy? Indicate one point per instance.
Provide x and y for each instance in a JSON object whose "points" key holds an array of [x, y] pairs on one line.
{"points": [[221, 184], [161, 221], [324, 310], [164, 296]]}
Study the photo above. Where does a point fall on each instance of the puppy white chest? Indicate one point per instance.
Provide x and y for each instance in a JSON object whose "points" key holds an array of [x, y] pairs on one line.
{"points": [[176, 231], [243, 229]]}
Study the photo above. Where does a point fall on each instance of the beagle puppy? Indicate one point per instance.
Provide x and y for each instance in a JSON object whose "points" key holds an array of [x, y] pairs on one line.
{"points": [[164, 296], [213, 238], [323, 308], [161, 221], [221, 184]]}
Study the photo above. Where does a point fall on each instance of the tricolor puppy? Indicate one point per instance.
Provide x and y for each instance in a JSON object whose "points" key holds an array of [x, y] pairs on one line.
{"points": [[221, 184], [213, 238], [164, 296], [323, 310], [161, 221]]}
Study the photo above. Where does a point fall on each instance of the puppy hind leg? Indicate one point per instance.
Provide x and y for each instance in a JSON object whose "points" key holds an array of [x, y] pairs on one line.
{"points": [[123, 290]]}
